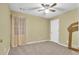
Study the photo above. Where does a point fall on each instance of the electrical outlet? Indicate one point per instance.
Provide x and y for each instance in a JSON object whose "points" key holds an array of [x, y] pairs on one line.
{"points": [[1, 41]]}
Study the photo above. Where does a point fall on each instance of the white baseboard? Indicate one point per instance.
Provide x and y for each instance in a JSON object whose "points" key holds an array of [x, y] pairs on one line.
{"points": [[8, 51], [44, 41], [36, 42], [60, 44]]}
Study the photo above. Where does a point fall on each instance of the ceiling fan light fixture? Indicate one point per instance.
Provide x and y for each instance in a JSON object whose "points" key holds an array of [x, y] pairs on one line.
{"points": [[47, 11]]}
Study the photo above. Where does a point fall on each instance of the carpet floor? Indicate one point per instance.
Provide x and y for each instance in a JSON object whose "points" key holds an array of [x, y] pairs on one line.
{"points": [[43, 48]]}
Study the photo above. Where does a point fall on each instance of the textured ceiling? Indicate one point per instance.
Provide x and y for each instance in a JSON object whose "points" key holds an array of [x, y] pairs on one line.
{"points": [[25, 8]]}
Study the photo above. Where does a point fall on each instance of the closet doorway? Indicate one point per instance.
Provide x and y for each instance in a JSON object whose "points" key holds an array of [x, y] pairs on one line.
{"points": [[54, 30]]}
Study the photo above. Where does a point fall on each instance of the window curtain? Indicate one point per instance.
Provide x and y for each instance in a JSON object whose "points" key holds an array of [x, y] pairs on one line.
{"points": [[18, 30]]}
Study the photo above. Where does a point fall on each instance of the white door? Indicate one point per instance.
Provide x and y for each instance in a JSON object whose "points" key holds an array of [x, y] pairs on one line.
{"points": [[54, 30]]}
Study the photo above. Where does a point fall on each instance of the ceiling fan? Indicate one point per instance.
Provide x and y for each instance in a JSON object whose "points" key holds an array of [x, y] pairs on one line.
{"points": [[46, 8]]}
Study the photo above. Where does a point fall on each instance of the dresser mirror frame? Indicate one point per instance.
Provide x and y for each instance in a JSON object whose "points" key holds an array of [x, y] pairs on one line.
{"points": [[71, 29]]}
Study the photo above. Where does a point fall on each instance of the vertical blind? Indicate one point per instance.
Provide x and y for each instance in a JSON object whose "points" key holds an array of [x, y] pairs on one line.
{"points": [[18, 31]]}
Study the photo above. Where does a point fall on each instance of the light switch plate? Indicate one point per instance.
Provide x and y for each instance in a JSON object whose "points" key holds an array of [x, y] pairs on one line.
{"points": [[1, 41]]}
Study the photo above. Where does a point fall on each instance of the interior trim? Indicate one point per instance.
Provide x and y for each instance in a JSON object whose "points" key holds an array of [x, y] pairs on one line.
{"points": [[36, 42]]}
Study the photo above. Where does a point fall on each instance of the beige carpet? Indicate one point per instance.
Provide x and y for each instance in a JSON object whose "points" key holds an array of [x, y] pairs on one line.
{"points": [[43, 48]]}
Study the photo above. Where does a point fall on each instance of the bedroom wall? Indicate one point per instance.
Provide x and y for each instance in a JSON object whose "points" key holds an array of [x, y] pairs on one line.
{"points": [[65, 20], [37, 28], [4, 28]]}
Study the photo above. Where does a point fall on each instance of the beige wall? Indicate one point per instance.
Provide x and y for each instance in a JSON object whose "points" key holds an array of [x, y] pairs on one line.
{"points": [[37, 28], [65, 20], [4, 28]]}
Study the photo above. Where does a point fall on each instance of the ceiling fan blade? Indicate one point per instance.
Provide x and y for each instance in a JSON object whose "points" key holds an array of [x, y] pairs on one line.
{"points": [[43, 5], [57, 8], [33, 8], [41, 10], [53, 5], [52, 10]]}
